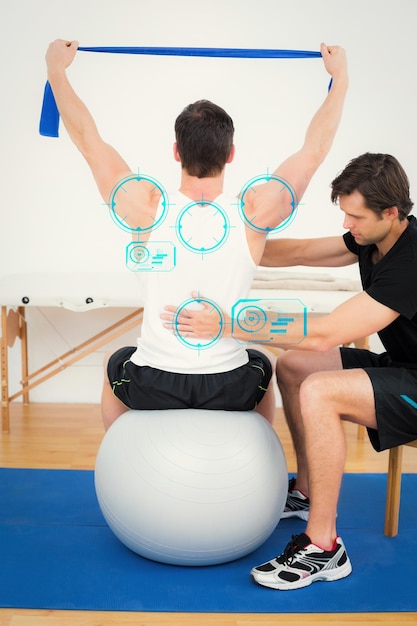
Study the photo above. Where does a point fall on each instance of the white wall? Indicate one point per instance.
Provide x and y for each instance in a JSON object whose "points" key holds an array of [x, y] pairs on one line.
{"points": [[51, 216]]}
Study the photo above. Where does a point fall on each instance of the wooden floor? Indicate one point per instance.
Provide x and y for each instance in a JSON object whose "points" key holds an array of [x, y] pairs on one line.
{"points": [[67, 436]]}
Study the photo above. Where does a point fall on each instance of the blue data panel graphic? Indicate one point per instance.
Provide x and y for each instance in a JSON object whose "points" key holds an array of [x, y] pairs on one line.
{"points": [[275, 321], [153, 256]]}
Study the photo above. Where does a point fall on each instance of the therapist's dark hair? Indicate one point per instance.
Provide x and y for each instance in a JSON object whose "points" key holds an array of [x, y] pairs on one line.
{"points": [[380, 179]]}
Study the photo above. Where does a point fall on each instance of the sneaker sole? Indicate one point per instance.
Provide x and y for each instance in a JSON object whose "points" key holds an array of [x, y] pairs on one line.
{"points": [[323, 576], [300, 514]]}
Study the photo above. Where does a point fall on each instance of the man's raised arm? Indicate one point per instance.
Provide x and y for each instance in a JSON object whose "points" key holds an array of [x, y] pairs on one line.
{"points": [[268, 205], [106, 164]]}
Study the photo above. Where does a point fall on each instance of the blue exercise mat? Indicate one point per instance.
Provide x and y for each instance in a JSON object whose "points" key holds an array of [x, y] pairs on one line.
{"points": [[58, 553], [49, 122]]}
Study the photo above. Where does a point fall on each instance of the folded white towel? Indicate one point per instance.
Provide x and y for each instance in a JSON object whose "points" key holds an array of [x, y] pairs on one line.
{"points": [[276, 273], [304, 282]]}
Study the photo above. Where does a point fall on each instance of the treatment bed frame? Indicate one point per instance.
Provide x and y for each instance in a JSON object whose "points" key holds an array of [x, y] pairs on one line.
{"points": [[104, 290]]}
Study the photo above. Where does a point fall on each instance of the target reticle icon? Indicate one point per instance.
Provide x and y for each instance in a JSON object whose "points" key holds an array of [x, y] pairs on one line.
{"points": [[139, 254], [284, 187], [199, 343], [202, 237], [251, 319], [119, 195]]}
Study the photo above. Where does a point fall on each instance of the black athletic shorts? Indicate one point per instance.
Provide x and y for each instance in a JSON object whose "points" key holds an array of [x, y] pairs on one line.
{"points": [[143, 387], [395, 392]]}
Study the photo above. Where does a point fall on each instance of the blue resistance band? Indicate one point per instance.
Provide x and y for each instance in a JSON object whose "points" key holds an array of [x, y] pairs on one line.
{"points": [[49, 121]]}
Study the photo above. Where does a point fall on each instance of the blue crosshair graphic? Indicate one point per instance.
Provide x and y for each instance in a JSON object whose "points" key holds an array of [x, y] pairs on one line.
{"points": [[202, 227], [199, 343], [284, 187], [119, 198]]}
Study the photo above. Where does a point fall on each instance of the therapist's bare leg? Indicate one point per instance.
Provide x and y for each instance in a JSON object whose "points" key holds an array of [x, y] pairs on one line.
{"points": [[293, 368], [326, 400]]}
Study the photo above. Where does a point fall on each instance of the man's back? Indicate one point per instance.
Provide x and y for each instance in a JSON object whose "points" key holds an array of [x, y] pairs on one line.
{"points": [[207, 253]]}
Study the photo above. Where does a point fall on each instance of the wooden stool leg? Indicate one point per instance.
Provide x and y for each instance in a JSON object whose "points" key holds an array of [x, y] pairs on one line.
{"points": [[392, 506], [361, 432], [24, 352]]}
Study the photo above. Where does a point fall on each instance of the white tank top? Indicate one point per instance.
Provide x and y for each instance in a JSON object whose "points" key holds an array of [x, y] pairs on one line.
{"points": [[194, 247]]}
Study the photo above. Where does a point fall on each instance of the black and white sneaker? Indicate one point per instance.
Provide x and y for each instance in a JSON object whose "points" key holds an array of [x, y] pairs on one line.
{"points": [[303, 563], [297, 504]]}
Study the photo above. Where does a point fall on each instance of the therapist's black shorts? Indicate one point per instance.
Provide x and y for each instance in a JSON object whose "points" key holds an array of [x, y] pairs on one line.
{"points": [[395, 392], [143, 387]]}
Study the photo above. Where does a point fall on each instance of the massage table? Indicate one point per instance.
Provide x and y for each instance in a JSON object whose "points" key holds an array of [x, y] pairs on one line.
{"points": [[319, 293]]}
